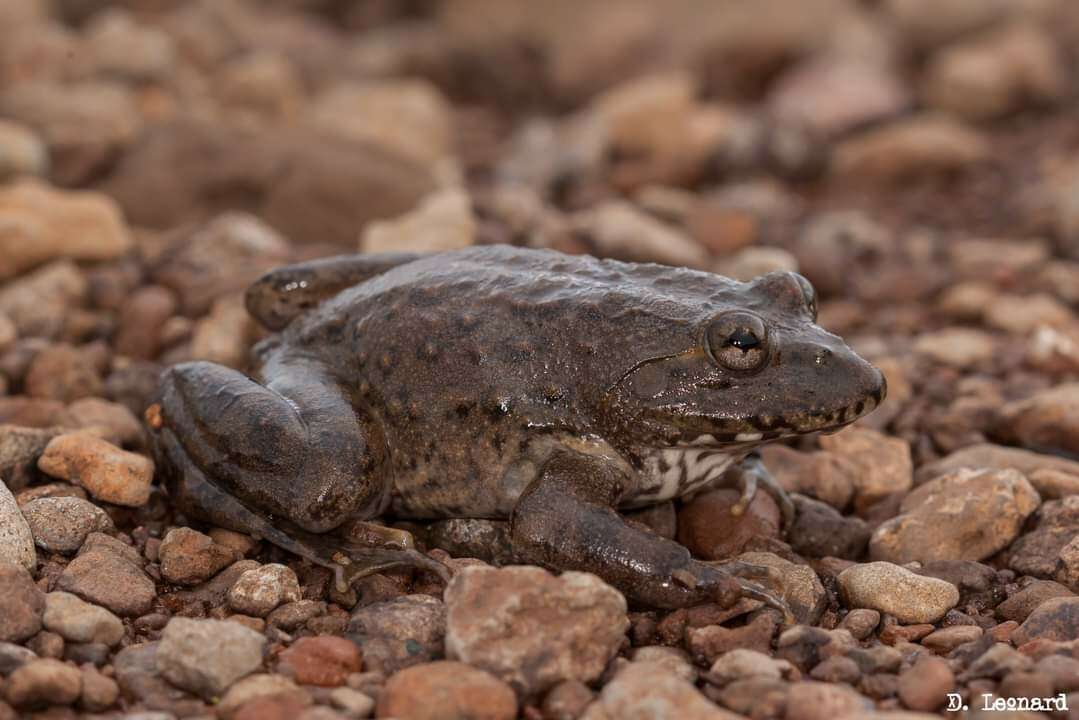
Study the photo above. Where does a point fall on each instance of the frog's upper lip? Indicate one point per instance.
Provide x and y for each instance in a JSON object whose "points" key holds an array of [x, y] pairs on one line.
{"points": [[756, 430]]}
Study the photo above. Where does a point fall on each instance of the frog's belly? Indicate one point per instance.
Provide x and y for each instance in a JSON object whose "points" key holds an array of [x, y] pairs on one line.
{"points": [[676, 472]]}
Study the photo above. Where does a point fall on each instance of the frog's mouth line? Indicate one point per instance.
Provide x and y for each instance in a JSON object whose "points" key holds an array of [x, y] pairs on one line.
{"points": [[759, 430]]}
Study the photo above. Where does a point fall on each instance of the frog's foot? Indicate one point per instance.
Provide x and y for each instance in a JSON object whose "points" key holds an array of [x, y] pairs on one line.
{"points": [[727, 584], [752, 475], [353, 562]]}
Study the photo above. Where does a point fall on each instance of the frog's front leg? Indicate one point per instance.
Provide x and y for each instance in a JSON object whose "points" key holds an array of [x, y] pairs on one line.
{"points": [[751, 475], [565, 520], [287, 460]]}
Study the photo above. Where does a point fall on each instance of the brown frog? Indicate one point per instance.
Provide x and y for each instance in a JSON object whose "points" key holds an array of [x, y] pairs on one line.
{"points": [[499, 382]]}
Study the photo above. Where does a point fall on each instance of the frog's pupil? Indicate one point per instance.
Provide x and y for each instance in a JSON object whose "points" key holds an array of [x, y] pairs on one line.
{"points": [[743, 339]]}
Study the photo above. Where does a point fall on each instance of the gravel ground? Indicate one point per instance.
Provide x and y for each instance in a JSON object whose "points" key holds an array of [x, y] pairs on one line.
{"points": [[918, 160]]}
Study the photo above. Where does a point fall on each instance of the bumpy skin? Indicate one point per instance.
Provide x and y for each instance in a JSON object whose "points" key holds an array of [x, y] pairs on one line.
{"points": [[498, 382]]}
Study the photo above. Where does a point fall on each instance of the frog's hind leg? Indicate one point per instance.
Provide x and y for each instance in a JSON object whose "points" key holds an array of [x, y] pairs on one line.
{"points": [[289, 460], [280, 295]]}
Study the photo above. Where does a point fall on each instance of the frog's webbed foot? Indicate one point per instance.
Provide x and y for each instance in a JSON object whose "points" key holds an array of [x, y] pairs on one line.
{"points": [[750, 476], [354, 562]]}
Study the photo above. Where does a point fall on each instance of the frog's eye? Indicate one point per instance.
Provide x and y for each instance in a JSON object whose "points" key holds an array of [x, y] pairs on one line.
{"points": [[738, 341], [809, 294]]}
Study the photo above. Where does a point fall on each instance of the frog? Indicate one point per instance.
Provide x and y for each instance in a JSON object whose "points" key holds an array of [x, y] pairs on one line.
{"points": [[554, 392]]}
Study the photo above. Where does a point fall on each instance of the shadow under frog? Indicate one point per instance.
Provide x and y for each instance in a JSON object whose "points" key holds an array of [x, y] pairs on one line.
{"points": [[497, 382]]}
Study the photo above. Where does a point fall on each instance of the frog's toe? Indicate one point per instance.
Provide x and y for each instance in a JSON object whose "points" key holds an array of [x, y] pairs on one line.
{"points": [[754, 591], [353, 562]]}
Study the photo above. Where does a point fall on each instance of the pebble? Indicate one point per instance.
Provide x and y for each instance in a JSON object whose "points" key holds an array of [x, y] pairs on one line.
{"points": [[61, 524], [107, 472], [81, 622], [897, 591], [837, 669], [707, 643], [822, 701], [40, 302], [921, 144], [442, 221], [742, 663], [352, 703], [16, 540], [752, 696], [711, 539], [1037, 552], [189, 557], [945, 640], [1046, 421], [207, 656], [396, 634], [99, 691], [997, 457], [619, 230], [290, 616], [43, 224], [647, 691], [968, 514], [860, 622], [819, 530], [958, 347], [882, 464], [675, 660], [142, 316], [21, 603], [112, 420], [996, 662], [259, 590], [13, 656], [1054, 619], [44, 682], [21, 153], [225, 334], [260, 685], [995, 73], [567, 700], [105, 575], [533, 629], [325, 661], [63, 372], [121, 47], [446, 690], [1019, 606]]}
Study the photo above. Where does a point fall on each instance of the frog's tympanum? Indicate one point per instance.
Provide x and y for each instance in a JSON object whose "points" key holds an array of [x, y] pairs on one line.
{"points": [[498, 382]]}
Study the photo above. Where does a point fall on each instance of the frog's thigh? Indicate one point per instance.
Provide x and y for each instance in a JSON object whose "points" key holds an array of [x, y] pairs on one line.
{"points": [[293, 448], [282, 294]]}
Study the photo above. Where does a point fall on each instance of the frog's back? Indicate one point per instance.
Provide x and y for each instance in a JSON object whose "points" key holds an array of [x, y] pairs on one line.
{"points": [[468, 358]]}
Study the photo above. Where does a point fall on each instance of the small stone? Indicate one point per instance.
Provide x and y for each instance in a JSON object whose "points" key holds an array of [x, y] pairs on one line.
{"points": [[261, 589], [108, 473], [61, 524], [567, 700], [20, 448], [16, 540], [325, 661], [99, 692], [709, 642], [105, 576], [189, 557], [823, 701], [63, 372], [442, 221], [618, 230], [352, 703], [446, 691], [882, 464], [957, 347], [1037, 552], [897, 591], [837, 669], [647, 690], [860, 622], [112, 420], [81, 622], [996, 662], [921, 144], [752, 262], [142, 317], [997, 457], [743, 663], [995, 73], [707, 527], [21, 603], [1019, 606], [40, 302], [290, 616], [819, 530], [1047, 421], [1062, 670], [48, 682], [47, 645], [120, 46], [207, 656], [1055, 619], [945, 640], [260, 685], [509, 619], [400, 633], [43, 223], [21, 152], [13, 656], [968, 514], [673, 659], [755, 695]]}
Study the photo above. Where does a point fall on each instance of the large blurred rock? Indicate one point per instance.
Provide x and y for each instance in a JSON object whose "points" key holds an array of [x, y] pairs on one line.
{"points": [[312, 187]]}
